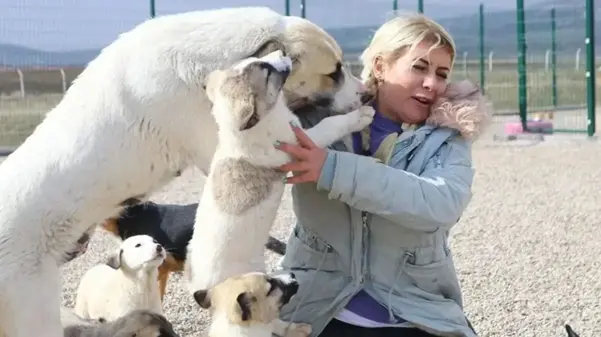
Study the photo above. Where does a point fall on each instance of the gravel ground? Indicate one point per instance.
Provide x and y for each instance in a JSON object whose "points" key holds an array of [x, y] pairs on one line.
{"points": [[523, 248]]}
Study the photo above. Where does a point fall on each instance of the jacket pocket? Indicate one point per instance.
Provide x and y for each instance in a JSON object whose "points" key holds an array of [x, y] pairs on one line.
{"points": [[307, 251], [435, 280]]}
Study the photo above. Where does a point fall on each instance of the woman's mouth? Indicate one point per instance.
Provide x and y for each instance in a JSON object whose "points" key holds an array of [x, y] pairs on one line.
{"points": [[422, 100]]}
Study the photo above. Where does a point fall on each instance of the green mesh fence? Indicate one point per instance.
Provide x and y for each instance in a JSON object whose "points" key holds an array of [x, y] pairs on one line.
{"points": [[33, 77]]}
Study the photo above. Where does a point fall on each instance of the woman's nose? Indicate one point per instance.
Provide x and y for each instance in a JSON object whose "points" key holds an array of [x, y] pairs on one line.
{"points": [[429, 82]]}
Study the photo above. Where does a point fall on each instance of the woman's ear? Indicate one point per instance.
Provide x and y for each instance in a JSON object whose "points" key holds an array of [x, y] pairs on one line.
{"points": [[378, 68]]}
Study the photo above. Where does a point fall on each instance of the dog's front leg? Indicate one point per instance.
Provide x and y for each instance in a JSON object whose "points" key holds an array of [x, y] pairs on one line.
{"points": [[32, 304], [333, 128], [295, 330]]}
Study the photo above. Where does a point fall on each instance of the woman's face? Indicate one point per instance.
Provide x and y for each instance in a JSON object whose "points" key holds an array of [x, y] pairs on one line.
{"points": [[409, 85]]}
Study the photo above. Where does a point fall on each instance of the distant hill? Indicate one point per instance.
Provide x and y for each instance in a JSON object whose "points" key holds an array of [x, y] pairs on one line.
{"points": [[23, 57], [500, 33]]}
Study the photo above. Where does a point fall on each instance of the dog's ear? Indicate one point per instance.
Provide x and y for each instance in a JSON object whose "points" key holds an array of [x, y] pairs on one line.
{"points": [[245, 302], [211, 83], [202, 297], [247, 113], [268, 48], [273, 45], [114, 261], [570, 332]]}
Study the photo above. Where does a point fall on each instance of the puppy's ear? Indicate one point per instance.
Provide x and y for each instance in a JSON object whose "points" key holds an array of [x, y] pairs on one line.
{"points": [[245, 302], [246, 110], [202, 298], [114, 261], [211, 83]]}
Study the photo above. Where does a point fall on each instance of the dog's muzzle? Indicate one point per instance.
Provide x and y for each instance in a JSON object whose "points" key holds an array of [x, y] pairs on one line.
{"points": [[278, 63], [288, 285], [366, 97]]}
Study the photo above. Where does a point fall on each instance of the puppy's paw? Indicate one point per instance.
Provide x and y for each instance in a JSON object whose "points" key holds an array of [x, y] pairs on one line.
{"points": [[299, 330], [361, 118]]}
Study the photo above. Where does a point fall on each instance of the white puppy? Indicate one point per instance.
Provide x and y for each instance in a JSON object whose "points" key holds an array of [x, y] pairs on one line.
{"points": [[244, 188], [128, 281], [134, 118]]}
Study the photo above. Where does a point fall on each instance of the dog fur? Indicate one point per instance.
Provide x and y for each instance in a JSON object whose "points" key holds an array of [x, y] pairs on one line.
{"points": [[135, 117], [247, 305], [172, 226], [128, 281], [69, 318], [138, 323], [81, 246], [244, 188]]}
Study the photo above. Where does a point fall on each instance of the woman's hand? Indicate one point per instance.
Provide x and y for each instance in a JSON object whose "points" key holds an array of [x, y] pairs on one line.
{"points": [[308, 158]]}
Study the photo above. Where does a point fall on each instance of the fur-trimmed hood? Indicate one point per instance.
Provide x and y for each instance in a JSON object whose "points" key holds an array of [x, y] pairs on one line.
{"points": [[463, 107]]}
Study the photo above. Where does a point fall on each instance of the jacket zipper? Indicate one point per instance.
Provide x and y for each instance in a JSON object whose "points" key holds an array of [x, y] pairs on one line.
{"points": [[364, 245]]}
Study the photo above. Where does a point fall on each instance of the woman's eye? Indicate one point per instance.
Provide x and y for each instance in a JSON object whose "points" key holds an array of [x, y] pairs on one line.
{"points": [[419, 67]]}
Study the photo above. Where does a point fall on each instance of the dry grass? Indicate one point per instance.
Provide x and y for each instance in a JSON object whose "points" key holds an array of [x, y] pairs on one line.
{"points": [[19, 116]]}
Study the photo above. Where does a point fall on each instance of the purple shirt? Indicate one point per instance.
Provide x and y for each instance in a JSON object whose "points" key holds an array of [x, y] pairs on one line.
{"points": [[379, 129], [362, 304]]}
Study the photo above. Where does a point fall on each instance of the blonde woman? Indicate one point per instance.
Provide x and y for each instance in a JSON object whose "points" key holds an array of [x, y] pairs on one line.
{"points": [[370, 245]]}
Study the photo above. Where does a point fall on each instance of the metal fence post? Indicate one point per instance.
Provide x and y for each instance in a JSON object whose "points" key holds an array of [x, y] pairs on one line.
{"points": [[482, 78], [303, 8], [152, 9], [591, 72], [522, 81], [287, 7], [420, 6], [553, 58]]}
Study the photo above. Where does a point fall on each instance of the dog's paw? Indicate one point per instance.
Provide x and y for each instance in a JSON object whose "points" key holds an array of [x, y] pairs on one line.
{"points": [[361, 118], [299, 330]]}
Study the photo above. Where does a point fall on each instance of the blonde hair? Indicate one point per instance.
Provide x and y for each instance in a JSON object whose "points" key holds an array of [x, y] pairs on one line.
{"points": [[400, 35]]}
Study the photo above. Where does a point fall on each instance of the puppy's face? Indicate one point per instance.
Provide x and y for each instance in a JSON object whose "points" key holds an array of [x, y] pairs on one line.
{"points": [[142, 323], [246, 92], [319, 76], [138, 252], [249, 298]]}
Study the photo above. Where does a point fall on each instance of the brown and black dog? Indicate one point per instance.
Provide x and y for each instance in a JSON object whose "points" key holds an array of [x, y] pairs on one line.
{"points": [[172, 226]]}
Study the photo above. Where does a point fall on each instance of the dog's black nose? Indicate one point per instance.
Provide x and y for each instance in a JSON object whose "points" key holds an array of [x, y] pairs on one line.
{"points": [[366, 97], [159, 248]]}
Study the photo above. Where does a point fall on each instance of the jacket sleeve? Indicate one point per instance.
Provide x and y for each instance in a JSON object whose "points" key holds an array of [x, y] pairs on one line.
{"points": [[438, 196]]}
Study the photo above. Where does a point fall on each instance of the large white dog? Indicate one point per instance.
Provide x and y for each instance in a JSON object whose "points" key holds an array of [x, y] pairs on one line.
{"points": [[134, 117], [244, 188]]}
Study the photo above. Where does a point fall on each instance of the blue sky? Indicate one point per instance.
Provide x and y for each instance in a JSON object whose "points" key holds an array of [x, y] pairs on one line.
{"points": [[83, 24]]}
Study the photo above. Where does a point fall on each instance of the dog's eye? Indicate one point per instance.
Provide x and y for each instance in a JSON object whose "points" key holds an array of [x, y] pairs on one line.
{"points": [[138, 245], [336, 74]]}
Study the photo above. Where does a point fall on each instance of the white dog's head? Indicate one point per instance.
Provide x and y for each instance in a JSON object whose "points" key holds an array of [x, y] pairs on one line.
{"points": [[248, 299], [138, 252], [319, 76], [248, 91]]}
